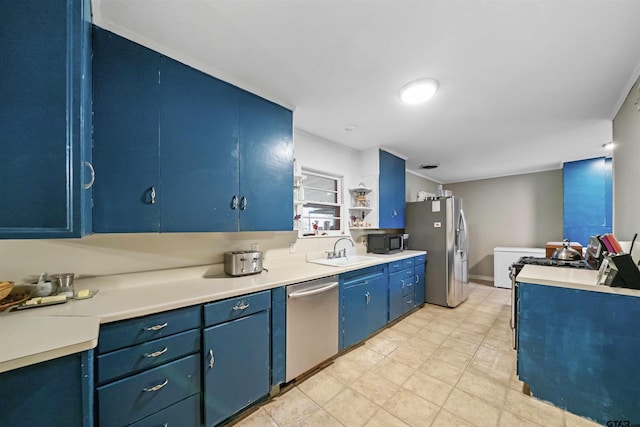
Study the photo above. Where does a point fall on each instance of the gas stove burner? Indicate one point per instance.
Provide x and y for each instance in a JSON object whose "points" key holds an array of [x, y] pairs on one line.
{"points": [[551, 262]]}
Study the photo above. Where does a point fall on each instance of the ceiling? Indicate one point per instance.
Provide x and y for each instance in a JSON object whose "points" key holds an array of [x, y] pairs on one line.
{"points": [[524, 85]]}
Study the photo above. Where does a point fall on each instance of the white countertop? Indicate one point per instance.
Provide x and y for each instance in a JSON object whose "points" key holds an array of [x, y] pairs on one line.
{"points": [[44, 333], [572, 278]]}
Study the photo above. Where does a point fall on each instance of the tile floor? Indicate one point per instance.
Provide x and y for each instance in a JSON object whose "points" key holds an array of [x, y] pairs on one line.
{"points": [[436, 367]]}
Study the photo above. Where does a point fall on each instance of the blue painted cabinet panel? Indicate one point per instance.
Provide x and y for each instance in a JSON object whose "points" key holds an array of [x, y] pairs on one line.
{"points": [[45, 118], [126, 149], [278, 335], [235, 365], [364, 304], [199, 150], [392, 191], [579, 350], [266, 165], [396, 301], [55, 393], [420, 270], [587, 198]]}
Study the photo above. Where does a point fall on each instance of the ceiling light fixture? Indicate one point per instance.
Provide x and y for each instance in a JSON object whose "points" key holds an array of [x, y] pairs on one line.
{"points": [[608, 146], [418, 91], [350, 128]]}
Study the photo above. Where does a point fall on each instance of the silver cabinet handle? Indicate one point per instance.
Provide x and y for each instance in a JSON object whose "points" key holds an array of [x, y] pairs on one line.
{"points": [[156, 327], [156, 353], [394, 213], [243, 203], [402, 280], [241, 306], [153, 195], [368, 297], [212, 359], [234, 202], [417, 279], [93, 175], [156, 387]]}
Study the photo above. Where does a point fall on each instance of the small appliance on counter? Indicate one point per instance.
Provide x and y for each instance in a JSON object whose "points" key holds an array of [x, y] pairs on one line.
{"points": [[242, 263], [385, 243]]}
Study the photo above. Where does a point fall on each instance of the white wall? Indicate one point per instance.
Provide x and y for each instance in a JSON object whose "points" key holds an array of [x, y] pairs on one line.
{"points": [[626, 167], [416, 183], [520, 210]]}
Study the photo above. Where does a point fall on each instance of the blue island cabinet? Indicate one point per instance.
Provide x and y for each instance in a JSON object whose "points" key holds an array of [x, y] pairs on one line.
{"points": [[364, 303], [392, 182], [578, 349], [236, 355], [177, 150], [55, 393], [45, 116]]}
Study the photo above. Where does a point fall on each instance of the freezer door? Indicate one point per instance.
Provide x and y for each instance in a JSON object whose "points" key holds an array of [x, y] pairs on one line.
{"points": [[459, 290]]}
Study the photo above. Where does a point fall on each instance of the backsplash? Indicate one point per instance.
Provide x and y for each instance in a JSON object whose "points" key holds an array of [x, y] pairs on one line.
{"points": [[104, 254]]}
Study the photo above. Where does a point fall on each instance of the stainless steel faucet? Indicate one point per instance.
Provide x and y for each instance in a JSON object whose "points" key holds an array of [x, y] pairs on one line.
{"points": [[341, 253]]}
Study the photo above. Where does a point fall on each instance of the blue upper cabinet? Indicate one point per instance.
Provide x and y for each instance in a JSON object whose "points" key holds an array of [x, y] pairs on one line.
{"points": [[45, 117], [199, 150], [266, 165], [392, 191], [127, 190], [177, 150]]}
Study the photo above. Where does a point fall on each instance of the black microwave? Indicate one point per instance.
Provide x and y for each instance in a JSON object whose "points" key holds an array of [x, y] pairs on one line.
{"points": [[384, 243]]}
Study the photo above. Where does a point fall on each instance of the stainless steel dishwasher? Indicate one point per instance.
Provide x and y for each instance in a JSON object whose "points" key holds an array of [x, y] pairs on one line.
{"points": [[312, 324]]}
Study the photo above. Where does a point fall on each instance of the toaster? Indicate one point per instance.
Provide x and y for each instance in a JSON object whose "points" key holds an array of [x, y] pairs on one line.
{"points": [[242, 263]]}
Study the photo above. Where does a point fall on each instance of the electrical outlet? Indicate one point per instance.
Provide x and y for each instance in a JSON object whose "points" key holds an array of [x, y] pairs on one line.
{"points": [[292, 247], [255, 247]]}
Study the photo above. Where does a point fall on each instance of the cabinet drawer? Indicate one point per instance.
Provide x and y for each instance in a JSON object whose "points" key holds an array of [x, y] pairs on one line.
{"points": [[420, 259], [408, 288], [184, 413], [131, 399], [234, 308], [408, 303], [405, 274], [120, 363], [400, 265], [118, 335], [364, 274]]}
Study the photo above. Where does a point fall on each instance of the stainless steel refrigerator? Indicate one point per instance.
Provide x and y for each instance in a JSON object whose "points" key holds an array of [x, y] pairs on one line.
{"points": [[438, 225]]}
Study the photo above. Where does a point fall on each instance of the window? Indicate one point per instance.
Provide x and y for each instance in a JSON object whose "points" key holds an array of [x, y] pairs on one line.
{"points": [[321, 203]]}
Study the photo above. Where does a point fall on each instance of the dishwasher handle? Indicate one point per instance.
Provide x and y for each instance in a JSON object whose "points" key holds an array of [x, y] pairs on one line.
{"points": [[300, 294]]}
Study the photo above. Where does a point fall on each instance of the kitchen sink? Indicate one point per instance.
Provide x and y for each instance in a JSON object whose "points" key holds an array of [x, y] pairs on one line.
{"points": [[344, 261]]}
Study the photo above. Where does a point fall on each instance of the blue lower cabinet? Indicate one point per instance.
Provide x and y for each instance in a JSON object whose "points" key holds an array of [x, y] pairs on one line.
{"points": [[55, 393], [364, 303], [396, 300], [131, 399], [236, 366], [185, 413], [420, 283]]}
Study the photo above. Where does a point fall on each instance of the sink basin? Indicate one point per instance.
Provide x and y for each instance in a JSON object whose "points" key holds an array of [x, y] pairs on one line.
{"points": [[344, 261]]}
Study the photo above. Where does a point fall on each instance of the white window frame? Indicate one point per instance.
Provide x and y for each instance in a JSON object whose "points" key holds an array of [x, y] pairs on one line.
{"points": [[340, 204]]}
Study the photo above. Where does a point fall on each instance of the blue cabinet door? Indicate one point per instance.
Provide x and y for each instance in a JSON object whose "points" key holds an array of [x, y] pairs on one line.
{"points": [[266, 165], [354, 315], [420, 270], [45, 117], [199, 150], [235, 365], [55, 393], [378, 304], [392, 191], [396, 302], [127, 191]]}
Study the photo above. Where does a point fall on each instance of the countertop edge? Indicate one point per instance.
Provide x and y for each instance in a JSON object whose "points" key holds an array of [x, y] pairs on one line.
{"points": [[192, 279]]}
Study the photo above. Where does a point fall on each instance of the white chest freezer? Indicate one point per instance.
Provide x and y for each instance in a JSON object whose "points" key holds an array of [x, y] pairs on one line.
{"points": [[503, 257]]}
